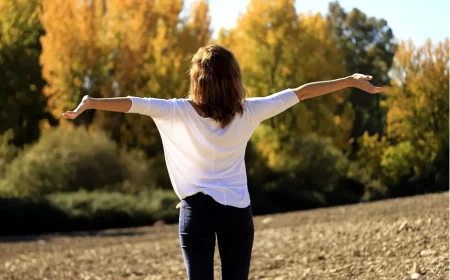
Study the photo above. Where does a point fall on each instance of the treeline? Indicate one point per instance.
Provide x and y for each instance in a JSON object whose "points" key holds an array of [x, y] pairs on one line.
{"points": [[341, 148]]}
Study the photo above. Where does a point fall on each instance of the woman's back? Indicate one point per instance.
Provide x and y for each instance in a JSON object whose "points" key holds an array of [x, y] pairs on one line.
{"points": [[203, 156]]}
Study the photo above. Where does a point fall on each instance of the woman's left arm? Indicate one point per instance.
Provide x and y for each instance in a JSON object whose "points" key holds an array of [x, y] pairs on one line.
{"points": [[321, 88]]}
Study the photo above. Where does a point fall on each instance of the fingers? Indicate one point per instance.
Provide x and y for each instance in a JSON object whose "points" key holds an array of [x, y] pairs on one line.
{"points": [[364, 84], [362, 77], [376, 89], [75, 113], [70, 115]]}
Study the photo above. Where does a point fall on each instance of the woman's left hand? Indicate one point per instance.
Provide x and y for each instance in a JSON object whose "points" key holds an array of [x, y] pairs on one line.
{"points": [[363, 82]]}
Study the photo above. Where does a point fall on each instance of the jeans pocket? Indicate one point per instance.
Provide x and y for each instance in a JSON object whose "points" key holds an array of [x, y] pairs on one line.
{"points": [[185, 214]]}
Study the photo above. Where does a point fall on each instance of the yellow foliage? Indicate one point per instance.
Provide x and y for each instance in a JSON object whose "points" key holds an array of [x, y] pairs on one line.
{"points": [[418, 99], [370, 153], [11, 23], [417, 117], [119, 48], [279, 49]]}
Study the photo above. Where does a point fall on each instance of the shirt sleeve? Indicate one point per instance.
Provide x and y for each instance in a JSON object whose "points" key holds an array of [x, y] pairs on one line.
{"points": [[153, 107], [263, 108]]}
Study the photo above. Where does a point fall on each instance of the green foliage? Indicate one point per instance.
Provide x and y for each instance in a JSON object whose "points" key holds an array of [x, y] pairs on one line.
{"points": [[297, 160], [413, 158], [367, 45], [7, 150], [107, 208], [437, 173], [310, 162], [277, 49], [22, 105], [67, 160], [315, 163], [31, 215], [398, 161], [306, 172], [60, 212], [370, 154], [137, 48]]}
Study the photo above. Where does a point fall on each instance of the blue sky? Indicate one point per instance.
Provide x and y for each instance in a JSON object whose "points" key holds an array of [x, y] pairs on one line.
{"points": [[409, 19]]}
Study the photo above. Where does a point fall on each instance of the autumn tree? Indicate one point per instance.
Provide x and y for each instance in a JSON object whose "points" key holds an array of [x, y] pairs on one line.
{"points": [[418, 100], [120, 48], [117, 48], [23, 105], [278, 49], [417, 118], [419, 105], [367, 45]]}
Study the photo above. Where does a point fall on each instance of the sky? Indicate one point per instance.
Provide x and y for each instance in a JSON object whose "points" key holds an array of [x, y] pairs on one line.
{"points": [[409, 19]]}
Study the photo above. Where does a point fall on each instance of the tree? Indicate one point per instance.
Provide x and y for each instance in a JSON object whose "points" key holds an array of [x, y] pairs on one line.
{"points": [[120, 48], [418, 99], [23, 106], [278, 49], [73, 59], [114, 48], [418, 103], [417, 121], [367, 46]]}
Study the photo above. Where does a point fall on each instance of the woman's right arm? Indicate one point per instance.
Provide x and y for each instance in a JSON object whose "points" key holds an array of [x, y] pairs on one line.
{"points": [[116, 104]]}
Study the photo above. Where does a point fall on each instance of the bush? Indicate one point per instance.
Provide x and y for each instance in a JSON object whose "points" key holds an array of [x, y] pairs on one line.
{"points": [[28, 215], [399, 162], [307, 173], [285, 198], [104, 210], [67, 160], [7, 150], [83, 210], [313, 163], [438, 173]]}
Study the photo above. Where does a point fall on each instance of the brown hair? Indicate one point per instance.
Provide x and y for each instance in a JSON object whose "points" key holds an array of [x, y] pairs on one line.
{"points": [[216, 83]]}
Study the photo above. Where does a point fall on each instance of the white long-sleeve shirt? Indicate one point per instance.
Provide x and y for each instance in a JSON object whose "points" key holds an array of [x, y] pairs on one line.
{"points": [[200, 155]]}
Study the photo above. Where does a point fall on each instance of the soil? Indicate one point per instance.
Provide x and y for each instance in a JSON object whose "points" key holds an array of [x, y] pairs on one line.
{"points": [[378, 240]]}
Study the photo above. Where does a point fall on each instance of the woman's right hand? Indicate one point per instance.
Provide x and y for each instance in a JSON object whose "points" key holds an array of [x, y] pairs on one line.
{"points": [[84, 105]]}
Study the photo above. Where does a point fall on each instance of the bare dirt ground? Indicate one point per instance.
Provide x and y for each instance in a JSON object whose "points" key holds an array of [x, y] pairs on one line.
{"points": [[380, 240]]}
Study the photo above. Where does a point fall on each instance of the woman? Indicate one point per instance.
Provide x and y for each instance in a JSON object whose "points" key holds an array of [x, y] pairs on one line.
{"points": [[204, 138]]}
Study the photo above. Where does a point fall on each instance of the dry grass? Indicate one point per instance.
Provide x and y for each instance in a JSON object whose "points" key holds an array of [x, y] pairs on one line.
{"points": [[380, 240]]}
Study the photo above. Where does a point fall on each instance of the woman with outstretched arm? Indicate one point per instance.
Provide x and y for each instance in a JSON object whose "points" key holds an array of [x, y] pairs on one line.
{"points": [[204, 138]]}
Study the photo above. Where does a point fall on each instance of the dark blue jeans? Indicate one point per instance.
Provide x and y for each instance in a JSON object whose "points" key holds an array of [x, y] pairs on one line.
{"points": [[201, 219]]}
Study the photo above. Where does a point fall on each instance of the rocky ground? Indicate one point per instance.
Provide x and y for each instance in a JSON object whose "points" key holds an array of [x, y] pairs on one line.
{"points": [[380, 240]]}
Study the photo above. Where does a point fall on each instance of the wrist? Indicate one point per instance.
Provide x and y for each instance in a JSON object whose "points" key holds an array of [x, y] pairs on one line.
{"points": [[88, 102], [349, 81]]}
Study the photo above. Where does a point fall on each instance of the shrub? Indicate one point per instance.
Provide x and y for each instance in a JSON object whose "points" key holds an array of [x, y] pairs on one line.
{"points": [[104, 209], [399, 161], [82, 210], [313, 163], [67, 160], [29, 215], [308, 172], [438, 173], [7, 150]]}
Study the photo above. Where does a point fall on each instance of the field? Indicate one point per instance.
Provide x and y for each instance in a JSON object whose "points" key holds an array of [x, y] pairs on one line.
{"points": [[379, 240]]}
